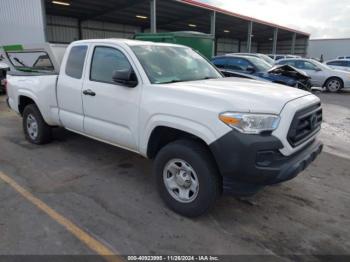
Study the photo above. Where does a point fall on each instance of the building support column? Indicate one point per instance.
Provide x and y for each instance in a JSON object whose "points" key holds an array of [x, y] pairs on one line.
{"points": [[250, 36], [274, 44], [44, 19], [292, 51], [213, 23], [213, 31], [80, 32], [153, 16]]}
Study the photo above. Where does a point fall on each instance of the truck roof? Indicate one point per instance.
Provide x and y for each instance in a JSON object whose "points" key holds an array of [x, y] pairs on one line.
{"points": [[128, 42]]}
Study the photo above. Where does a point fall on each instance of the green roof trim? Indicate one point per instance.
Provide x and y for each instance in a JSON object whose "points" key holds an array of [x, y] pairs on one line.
{"points": [[9, 48]]}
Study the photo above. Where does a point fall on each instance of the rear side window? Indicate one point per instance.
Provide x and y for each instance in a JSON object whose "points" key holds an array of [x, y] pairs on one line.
{"points": [[75, 62], [105, 62], [336, 63], [31, 61]]}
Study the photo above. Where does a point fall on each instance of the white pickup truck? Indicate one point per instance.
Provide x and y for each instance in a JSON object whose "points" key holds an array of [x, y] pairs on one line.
{"points": [[207, 134]]}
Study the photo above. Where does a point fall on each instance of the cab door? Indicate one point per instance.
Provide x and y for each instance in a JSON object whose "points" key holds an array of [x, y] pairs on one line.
{"points": [[69, 87], [110, 109]]}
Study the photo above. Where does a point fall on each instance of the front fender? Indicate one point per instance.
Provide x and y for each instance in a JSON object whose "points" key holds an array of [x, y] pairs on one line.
{"points": [[180, 123]]}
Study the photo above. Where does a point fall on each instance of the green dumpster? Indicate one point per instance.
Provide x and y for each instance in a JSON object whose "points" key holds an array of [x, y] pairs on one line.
{"points": [[201, 42]]}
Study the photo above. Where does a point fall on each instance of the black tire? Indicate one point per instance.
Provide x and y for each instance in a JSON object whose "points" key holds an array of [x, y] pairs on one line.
{"points": [[44, 134], [333, 80], [200, 159]]}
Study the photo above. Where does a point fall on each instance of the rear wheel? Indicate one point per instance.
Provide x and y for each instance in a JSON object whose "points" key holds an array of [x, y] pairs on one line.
{"points": [[35, 129], [334, 84], [187, 178]]}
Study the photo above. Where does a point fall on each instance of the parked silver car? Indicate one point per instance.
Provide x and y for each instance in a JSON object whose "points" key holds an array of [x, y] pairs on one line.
{"points": [[321, 74], [340, 64]]}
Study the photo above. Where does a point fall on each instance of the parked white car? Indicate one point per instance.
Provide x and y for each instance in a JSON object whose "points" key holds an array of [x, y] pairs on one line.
{"points": [[207, 134], [321, 75], [343, 57], [340, 64]]}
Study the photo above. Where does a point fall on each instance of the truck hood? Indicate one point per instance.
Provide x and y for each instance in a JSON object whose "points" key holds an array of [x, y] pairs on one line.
{"points": [[241, 95]]}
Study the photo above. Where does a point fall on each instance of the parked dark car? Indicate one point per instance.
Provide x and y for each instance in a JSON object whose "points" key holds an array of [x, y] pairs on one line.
{"points": [[264, 57], [3, 71], [258, 69]]}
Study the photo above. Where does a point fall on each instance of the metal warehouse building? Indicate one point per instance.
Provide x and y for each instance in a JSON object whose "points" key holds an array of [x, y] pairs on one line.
{"points": [[63, 21]]}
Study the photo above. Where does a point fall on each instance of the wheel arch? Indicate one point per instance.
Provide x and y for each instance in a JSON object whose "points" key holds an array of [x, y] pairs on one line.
{"points": [[23, 101], [336, 77], [163, 135]]}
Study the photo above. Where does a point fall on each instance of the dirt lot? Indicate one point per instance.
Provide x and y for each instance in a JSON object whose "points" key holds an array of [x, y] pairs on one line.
{"points": [[109, 193]]}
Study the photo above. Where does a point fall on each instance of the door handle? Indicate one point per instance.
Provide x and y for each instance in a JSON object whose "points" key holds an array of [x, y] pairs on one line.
{"points": [[89, 92]]}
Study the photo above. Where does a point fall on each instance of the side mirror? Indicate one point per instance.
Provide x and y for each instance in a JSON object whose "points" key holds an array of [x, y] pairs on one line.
{"points": [[125, 77], [250, 69], [317, 69]]}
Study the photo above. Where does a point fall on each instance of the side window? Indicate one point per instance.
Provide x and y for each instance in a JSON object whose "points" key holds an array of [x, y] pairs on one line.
{"points": [[279, 57], [305, 65], [347, 64], [309, 66], [287, 62], [75, 62], [220, 62], [105, 61], [238, 64]]}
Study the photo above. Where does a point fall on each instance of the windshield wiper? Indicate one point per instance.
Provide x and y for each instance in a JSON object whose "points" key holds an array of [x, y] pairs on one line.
{"points": [[209, 77], [171, 81], [187, 80]]}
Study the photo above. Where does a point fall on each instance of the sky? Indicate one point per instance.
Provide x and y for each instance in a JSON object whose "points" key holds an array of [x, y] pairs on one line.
{"points": [[320, 18]]}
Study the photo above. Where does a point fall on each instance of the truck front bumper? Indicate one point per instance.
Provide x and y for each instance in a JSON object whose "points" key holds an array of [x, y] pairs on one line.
{"points": [[247, 163]]}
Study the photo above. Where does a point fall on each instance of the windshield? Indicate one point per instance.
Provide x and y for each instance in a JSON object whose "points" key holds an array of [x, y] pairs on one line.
{"points": [[267, 59], [169, 64], [259, 64], [320, 65]]}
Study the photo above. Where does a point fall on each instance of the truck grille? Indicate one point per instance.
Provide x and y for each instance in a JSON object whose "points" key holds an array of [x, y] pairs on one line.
{"points": [[306, 123]]}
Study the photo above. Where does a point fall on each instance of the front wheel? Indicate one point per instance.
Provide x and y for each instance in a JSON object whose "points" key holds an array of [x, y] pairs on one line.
{"points": [[187, 178], [334, 84], [35, 129]]}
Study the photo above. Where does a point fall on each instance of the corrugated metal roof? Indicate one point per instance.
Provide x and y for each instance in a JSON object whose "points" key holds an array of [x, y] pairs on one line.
{"points": [[230, 13]]}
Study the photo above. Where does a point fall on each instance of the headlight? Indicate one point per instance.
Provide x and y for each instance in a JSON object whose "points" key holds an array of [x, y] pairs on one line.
{"points": [[250, 123]]}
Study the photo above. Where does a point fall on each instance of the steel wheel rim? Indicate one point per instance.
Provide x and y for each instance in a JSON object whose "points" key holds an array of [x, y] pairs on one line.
{"points": [[181, 181], [32, 127], [333, 85]]}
